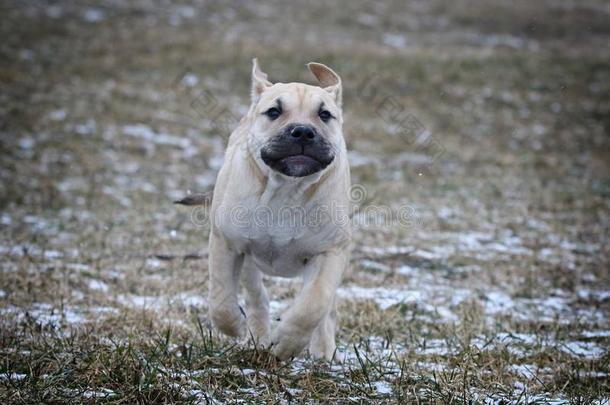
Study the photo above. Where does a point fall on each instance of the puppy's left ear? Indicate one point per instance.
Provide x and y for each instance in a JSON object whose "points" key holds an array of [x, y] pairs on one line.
{"points": [[259, 81], [328, 79]]}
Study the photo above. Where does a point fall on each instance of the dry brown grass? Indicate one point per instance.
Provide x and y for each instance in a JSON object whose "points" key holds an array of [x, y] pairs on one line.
{"points": [[500, 291]]}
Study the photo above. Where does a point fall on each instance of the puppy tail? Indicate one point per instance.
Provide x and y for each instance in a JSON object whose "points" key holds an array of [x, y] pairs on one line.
{"points": [[196, 199]]}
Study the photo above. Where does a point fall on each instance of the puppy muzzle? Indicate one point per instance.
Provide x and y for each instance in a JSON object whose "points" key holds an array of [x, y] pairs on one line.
{"points": [[297, 151]]}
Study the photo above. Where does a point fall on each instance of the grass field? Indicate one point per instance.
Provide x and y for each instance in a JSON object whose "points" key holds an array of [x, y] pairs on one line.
{"points": [[485, 122]]}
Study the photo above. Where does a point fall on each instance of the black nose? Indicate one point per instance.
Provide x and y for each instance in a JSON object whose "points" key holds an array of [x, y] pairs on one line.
{"points": [[303, 132]]}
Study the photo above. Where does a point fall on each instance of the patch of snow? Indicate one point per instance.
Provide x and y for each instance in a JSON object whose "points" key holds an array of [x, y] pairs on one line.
{"points": [[190, 300], [145, 133], [93, 15], [431, 366], [53, 254], [588, 350], [87, 128], [26, 142], [497, 302], [18, 250], [78, 266], [357, 159], [294, 391], [100, 393], [523, 338], [190, 80], [383, 297], [206, 180], [445, 314], [510, 41], [434, 347], [521, 391], [103, 310], [5, 219], [74, 184], [473, 240], [180, 13], [447, 213], [215, 162], [98, 285], [407, 270], [593, 374], [435, 252], [373, 265], [153, 263], [277, 307], [594, 295], [382, 387], [47, 314], [528, 371], [142, 301], [57, 115], [12, 376], [398, 41], [547, 309], [483, 242], [387, 251], [596, 334]]}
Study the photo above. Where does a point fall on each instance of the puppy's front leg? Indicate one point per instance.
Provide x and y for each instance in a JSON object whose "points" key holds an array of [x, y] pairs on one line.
{"points": [[322, 344], [310, 307], [224, 267], [258, 303]]}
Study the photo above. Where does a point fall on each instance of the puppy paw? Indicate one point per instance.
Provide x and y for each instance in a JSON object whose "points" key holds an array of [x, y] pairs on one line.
{"points": [[325, 352], [259, 332], [229, 320], [287, 342]]}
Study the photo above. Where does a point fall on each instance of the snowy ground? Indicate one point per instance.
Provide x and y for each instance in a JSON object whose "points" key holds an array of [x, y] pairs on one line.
{"points": [[479, 148]]}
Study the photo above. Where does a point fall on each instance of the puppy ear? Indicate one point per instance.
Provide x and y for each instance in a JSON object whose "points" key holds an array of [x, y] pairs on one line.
{"points": [[259, 81], [328, 79]]}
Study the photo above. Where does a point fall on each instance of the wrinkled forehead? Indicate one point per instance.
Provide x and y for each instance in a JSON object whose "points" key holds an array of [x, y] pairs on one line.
{"points": [[297, 95]]}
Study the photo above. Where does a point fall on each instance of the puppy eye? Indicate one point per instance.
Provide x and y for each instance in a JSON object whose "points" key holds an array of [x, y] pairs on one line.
{"points": [[273, 113], [325, 115]]}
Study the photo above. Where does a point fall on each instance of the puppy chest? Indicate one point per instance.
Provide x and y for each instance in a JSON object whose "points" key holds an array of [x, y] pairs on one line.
{"points": [[270, 238]]}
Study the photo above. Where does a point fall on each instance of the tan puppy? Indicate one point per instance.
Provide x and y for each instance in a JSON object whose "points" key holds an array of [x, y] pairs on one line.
{"points": [[280, 208]]}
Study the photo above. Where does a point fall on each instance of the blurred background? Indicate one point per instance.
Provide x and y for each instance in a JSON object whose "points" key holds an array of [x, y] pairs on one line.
{"points": [[487, 121]]}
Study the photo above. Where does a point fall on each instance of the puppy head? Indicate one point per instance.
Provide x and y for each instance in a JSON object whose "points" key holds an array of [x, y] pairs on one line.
{"points": [[296, 127]]}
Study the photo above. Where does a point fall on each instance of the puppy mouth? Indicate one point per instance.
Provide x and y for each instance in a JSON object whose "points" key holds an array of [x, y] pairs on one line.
{"points": [[297, 165], [299, 160]]}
